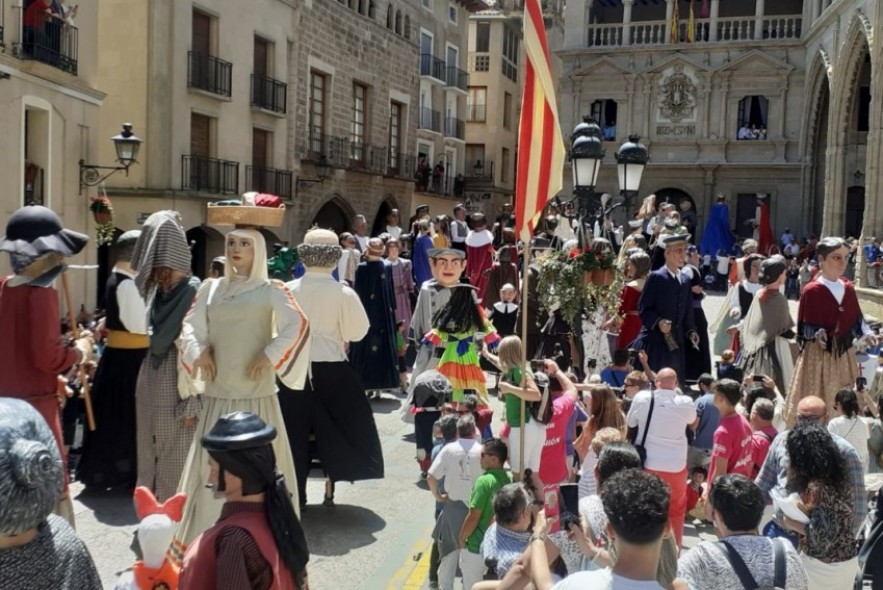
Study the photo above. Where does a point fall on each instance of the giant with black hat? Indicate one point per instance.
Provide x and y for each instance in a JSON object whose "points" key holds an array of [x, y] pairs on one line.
{"points": [[258, 520]]}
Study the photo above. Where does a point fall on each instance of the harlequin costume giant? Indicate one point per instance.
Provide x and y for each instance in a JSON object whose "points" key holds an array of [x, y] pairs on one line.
{"points": [[32, 349]]}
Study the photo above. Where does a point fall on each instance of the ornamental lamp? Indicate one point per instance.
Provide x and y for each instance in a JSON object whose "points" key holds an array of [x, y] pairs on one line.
{"points": [[127, 146], [631, 159], [586, 154]]}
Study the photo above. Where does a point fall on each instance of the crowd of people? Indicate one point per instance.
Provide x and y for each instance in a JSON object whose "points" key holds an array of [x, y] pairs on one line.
{"points": [[617, 428]]}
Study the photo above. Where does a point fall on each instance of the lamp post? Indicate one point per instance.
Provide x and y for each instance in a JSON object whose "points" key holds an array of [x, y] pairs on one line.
{"points": [[631, 159], [126, 145], [323, 169]]}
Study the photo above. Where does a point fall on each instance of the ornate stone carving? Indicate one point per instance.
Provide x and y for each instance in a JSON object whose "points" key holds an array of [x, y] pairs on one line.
{"points": [[677, 96]]}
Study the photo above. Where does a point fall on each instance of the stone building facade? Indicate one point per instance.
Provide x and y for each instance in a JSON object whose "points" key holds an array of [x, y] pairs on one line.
{"points": [[49, 108]]}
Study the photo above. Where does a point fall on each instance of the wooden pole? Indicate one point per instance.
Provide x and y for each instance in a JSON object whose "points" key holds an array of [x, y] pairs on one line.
{"points": [[525, 279], [75, 329]]}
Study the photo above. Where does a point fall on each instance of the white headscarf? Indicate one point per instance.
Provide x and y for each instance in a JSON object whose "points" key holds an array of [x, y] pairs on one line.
{"points": [[233, 284]]}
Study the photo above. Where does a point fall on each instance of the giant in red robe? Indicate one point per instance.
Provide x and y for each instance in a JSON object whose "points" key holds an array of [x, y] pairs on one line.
{"points": [[479, 259]]}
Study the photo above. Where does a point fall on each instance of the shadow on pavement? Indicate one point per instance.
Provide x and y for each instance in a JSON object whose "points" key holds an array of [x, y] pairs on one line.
{"points": [[338, 530], [386, 405], [112, 507]]}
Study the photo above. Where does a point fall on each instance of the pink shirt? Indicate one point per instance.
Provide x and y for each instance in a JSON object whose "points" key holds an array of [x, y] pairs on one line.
{"points": [[553, 462], [732, 441]]}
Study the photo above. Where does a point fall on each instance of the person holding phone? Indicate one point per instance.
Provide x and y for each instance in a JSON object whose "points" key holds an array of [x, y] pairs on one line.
{"points": [[849, 424]]}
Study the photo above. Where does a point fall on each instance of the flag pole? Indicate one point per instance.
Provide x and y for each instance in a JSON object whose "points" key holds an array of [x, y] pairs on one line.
{"points": [[525, 279]]}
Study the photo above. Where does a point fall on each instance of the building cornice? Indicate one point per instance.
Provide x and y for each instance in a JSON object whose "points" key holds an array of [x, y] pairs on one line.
{"points": [[51, 78]]}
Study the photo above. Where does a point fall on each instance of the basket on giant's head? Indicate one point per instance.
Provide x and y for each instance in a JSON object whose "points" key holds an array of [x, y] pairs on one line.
{"points": [[254, 209]]}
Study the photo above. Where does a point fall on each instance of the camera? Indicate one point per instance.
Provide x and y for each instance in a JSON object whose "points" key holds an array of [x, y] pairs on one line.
{"points": [[759, 378], [860, 383], [537, 365]]}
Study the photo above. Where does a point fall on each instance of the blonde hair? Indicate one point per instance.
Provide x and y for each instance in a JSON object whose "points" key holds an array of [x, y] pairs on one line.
{"points": [[604, 410], [727, 356], [510, 353], [604, 436]]}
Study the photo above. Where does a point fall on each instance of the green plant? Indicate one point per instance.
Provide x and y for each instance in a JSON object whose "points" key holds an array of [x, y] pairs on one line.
{"points": [[564, 284]]}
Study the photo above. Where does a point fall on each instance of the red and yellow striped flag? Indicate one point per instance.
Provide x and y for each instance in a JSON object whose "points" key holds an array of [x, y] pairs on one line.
{"points": [[540, 144], [676, 23], [691, 25]]}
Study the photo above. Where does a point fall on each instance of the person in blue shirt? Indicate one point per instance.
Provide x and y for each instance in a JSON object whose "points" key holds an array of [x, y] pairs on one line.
{"points": [[707, 419], [872, 258], [614, 374]]}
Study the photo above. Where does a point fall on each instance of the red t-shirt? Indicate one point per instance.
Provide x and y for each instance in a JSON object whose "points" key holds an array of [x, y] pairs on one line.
{"points": [[760, 446], [553, 462], [732, 441]]}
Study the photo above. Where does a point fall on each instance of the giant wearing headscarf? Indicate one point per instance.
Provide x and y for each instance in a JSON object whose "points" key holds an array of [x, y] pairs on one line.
{"points": [[166, 413], [241, 332], [258, 540]]}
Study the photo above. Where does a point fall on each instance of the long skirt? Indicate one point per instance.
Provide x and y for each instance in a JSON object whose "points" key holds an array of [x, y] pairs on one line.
{"points": [[333, 409], [162, 439], [827, 576], [203, 507], [109, 456], [820, 373], [773, 360]]}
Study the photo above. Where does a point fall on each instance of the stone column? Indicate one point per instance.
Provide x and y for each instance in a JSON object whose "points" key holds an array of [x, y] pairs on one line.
{"points": [[713, 13], [816, 13], [577, 25], [627, 22], [669, 12], [758, 19]]}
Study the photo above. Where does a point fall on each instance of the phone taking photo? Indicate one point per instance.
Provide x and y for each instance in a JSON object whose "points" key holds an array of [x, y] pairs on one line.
{"points": [[860, 383]]}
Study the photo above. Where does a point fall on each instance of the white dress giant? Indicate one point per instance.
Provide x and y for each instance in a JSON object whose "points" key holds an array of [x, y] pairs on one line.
{"points": [[238, 319]]}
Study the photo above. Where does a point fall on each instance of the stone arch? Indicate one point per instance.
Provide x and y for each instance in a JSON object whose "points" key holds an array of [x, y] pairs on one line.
{"points": [[398, 28], [271, 238], [388, 204], [389, 17], [815, 141], [856, 50], [335, 214], [407, 32], [676, 195], [205, 244]]}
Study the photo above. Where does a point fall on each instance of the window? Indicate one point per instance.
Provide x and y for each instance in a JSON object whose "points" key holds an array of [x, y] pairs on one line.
{"points": [[603, 112], [398, 22], [476, 165], [202, 33], [407, 32], [427, 4], [482, 37], [753, 112], [452, 13], [507, 110], [372, 9], [510, 53], [357, 134], [504, 166], [260, 146], [476, 104], [395, 134], [863, 122], [200, 135], [317, 111], [389, 17], [261, 57]]}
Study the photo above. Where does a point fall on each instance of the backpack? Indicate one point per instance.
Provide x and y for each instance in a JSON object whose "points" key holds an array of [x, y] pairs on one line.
{"points": [[745, 577]]}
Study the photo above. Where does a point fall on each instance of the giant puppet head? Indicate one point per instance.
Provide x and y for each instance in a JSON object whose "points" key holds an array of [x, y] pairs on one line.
{"points": [[37, 243], [447, 265], [320, 250]]}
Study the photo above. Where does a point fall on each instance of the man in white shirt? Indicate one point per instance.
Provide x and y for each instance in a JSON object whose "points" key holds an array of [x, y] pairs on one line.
{"points": [[360, 232], [459, 463], [459, 228], [636, 505], [666, 439]]}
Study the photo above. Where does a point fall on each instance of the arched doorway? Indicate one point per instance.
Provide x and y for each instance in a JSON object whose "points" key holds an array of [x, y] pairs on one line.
{"points": [[107, 258], [678, 196], [332, 216], [855, 211], [819, 160], [205, 244], [386, 206]]}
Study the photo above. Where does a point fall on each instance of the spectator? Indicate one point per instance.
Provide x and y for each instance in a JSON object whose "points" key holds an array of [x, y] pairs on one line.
{"points": [[38, 549], [604, 413], [697, 489], [765, 389], [392, 224], [509, 534], [787, 237], [360, 232], [875, 442], [615, 373], [726, 368], [459, 229], [442, 237], [635, 382], [459, 463], [737, 508], [636, 505], [707, 419], [818, 474], [732, 437], [445, 428], [481, 510], [774, 472], [761, 421], [849, 424], [553, 463], [349, 259], [666, 439]]}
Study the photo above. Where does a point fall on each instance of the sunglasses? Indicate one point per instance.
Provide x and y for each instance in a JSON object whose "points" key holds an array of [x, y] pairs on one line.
{"points": [[808, 418]]}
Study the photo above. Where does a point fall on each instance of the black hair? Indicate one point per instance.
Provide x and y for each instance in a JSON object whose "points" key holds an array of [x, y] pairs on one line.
{"points": [[755, 392], [705, 379], [699, 469], [848, 401], [497, 448], [738, 500], [828, 245], [750, 260], [620, 356], [460, 314], [614, 457], [730, 389], [510, 503], [813, 456], [636, 505]]}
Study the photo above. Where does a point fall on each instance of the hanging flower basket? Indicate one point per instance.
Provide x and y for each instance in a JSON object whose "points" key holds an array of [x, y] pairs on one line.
{"points": [[102, 213], [578, 281], [603, 277], [101, 217]]}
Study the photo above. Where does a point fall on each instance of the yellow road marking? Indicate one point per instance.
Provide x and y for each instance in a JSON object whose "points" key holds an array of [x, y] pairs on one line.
{"points": [[411, 575]]}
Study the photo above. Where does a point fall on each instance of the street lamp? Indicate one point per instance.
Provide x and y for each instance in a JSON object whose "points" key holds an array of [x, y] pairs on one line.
{"points": [[631, 158], [478, 169], [586, 153], [323, 169], [126, 145]]}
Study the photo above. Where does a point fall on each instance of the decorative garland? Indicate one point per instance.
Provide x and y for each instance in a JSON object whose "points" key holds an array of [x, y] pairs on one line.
{"points": [[565, 283], [104, 230]]}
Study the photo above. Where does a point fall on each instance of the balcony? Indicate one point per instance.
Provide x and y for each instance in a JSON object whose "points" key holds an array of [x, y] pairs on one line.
{"points": [[209, 175], [316, 144], [456, 78], [480, 171], [269, 93], [742, 29], [208, 73], [269, 180], [444, 185], [432, 67], [55, 45], [455, 128], [400, 165], [430, 120]]}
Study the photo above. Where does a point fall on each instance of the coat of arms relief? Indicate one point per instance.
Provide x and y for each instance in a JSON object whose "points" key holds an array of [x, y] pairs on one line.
{"points": [[677, 96]]}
